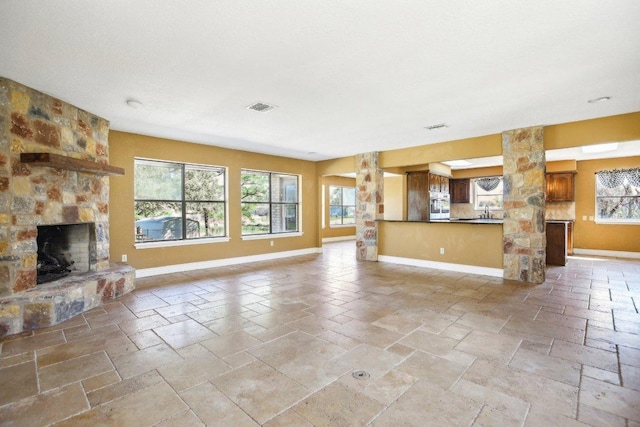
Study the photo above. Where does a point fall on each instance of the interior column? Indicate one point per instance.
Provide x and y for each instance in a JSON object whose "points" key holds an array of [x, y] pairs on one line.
{"points": [[369, 205], [524, 238]]}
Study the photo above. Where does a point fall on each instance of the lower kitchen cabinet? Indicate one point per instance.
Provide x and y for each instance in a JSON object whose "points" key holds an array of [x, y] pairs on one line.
{"points": [[559, 241]]}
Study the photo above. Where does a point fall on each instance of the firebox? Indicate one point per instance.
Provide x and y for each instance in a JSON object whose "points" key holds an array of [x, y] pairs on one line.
{"points": [[64, 249]]}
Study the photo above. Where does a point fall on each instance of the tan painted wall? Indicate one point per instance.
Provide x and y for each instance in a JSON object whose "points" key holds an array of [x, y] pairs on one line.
{"points": [[395, 190], [624, 127], [328, 231], [124, 147], [467, 244], [588, 234]]}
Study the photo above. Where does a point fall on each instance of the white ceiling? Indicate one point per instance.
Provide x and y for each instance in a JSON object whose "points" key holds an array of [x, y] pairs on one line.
{"points": [[347, 76]]}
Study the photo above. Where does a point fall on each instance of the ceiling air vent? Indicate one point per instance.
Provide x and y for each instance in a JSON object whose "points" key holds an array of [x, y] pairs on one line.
{"points": [[261, 107], [438, 126]]}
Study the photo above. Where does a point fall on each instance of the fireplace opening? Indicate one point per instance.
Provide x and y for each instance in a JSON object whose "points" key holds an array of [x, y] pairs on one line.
{"points": [[63, 250]]}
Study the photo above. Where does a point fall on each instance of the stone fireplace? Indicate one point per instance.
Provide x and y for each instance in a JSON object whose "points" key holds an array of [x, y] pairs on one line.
{"points": [[54, 207], [65, 249]]}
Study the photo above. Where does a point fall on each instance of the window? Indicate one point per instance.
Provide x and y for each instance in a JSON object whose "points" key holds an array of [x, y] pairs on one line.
{"points": [[488, 193], [176, 201], [269, 202], [342, 205], [618, 195]]}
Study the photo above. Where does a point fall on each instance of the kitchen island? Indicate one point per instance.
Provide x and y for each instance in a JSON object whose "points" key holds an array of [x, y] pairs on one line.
{"points": [[473, 246]]}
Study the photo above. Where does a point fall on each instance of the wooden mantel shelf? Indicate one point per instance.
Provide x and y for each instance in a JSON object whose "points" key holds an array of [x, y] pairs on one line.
{"points": [[69, 163]]}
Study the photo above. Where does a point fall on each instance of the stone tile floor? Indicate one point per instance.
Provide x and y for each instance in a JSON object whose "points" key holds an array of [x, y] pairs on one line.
{"points": [[276, 344]]}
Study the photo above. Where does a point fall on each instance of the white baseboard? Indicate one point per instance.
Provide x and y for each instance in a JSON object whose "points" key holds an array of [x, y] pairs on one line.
{"points": [[462, 268], [610, 254], [338, 239], [177, 268]]}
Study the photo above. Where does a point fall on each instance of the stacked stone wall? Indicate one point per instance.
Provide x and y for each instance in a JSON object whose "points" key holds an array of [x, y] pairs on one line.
{"points": [[31, 121], [524, 205], [369, 205]]}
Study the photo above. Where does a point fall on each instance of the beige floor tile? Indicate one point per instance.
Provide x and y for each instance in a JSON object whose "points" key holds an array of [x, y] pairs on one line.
{"points": [[319, 318], [288, 419], [389, 387], [198, 365], [338, 405], [489, 345], [552, 395], [231, 343], [426, 404], [181, 419], [101, 380], [259, 390], [73, 370], [114, 343], [17, 382], [550, 367], [481, 322], [123, 388], [436, 370], [46, 408], [610, 398], [595, 417], [499, 408], [19, 345], [208, 403], [428, 342], [132, 364], [586, 355], [182, 334], [144, 407]]}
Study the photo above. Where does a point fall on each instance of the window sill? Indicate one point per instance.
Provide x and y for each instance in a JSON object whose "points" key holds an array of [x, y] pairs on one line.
{"points": [[272, 236], [341, 225], [617, 222], [169, 243]]}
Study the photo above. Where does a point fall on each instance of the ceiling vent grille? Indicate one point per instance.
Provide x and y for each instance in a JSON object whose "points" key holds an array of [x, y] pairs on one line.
{"points": [[261, 107], [438, 126]]}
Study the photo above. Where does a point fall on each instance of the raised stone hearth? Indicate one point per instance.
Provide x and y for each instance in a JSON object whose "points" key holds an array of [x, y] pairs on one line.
{"points": [[62, 192]]}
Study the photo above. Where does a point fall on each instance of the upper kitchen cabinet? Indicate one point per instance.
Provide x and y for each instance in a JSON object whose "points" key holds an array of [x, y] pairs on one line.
{"points": [[459, 189], [418, 185], [560, 187], [438, 183]]}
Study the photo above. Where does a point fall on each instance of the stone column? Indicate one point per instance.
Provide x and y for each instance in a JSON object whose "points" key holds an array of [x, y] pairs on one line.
{"points": [[524, 184], [369, 205]]}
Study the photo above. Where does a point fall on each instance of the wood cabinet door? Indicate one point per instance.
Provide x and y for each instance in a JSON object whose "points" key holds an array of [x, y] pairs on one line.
{"points": [[418, 184], [560, 187], [460, 190]]}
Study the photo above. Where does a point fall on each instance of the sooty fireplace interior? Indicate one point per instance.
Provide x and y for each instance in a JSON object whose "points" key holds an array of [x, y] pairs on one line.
{"points": [[64, 249]]}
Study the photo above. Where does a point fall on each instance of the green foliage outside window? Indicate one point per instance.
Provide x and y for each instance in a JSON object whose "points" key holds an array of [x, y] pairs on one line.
{"points": [[175, 201]]}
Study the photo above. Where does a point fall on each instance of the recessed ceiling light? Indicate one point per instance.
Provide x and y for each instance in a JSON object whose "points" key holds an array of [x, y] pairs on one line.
{"points": [[261, 107], [134, 103], [601, 99], [438, 126], [600, 148]]}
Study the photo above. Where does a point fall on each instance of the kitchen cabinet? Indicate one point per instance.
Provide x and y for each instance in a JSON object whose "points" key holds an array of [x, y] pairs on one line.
{"points": [[438, 183], [559, 241], [418, 185], [459, 190], [560, 187]]}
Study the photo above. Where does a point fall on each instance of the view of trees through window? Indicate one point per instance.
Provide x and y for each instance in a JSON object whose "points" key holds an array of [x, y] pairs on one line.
{"points": [[488, 193], [342, 205], [175, 201], [618, 195], [269, 202]]}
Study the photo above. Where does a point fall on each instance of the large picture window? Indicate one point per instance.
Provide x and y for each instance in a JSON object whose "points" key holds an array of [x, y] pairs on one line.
{"points": [[269, 202], [618, 195], [176, 201], [488, 193], [342, 205]]}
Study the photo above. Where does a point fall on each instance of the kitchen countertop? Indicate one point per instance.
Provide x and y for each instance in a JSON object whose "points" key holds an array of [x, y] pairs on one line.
{"points": [[455, 221]]}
